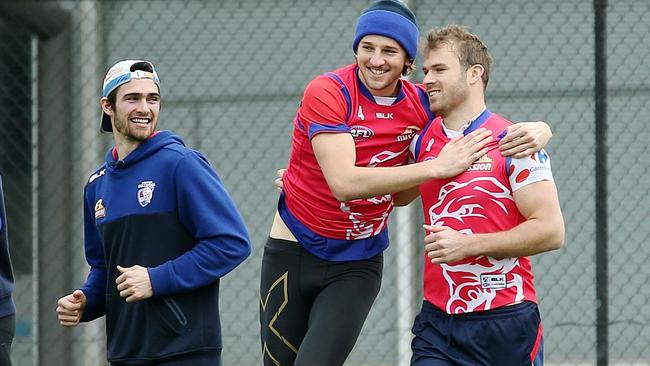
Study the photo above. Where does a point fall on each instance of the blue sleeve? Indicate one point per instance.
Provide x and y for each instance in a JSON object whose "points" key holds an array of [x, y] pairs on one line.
{"points": [[95, 286], [424, 101], [209, 215]]}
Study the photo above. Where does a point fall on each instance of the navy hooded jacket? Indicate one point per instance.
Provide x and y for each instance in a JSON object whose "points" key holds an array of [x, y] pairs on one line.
{"points": [[7, 306], [162, 207]]}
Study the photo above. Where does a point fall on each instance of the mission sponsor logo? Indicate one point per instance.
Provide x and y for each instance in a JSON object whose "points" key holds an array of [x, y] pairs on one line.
{"points": [[361, 133], [408, 134], [483, 164]]}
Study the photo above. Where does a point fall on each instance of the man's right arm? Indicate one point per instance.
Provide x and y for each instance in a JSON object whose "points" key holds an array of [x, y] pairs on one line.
{"points": [[537, 201], [70, 308], [95, 287], [336, 156], [323, 118], [543, 230]]}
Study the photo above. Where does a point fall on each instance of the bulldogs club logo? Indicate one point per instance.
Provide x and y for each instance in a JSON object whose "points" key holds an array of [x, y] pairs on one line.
{"points": [[473, 282], [145, 192], [457, 200]]}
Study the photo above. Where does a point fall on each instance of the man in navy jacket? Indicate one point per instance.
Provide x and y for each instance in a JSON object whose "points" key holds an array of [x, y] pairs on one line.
{"points": [[7, 307], [160, 230]]}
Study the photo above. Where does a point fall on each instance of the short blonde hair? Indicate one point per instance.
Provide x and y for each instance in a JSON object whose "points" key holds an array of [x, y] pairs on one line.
{"points": [[467, 46]]}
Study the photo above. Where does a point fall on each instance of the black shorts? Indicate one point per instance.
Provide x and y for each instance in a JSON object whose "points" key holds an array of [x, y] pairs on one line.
{"points": [[312, 310], [198, 358], [510, 335]]}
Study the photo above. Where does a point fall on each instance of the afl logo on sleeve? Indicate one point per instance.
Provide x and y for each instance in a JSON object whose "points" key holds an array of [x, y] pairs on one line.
{"points": [[145, 192], [361, 133]]}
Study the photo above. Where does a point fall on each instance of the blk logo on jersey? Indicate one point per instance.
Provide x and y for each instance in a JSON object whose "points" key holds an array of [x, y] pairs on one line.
{"points": [[96, 175], [361, 133], [493, 281], [384, 115], [145, 192], [100, 210]]}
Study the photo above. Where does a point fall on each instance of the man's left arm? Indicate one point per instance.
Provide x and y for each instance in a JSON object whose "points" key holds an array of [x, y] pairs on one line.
{"points": [[542, 231], [209, 214]]}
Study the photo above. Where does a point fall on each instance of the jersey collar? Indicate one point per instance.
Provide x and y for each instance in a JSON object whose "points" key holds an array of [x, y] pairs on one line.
{"points": [[470, 126], [366, 93]]}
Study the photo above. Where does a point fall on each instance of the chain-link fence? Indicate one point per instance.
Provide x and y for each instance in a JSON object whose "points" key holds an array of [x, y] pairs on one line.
{"points": [[232, 74]]}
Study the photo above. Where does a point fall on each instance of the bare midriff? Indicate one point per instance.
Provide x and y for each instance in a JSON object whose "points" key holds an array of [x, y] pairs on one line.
{"points": [[279, 229]]}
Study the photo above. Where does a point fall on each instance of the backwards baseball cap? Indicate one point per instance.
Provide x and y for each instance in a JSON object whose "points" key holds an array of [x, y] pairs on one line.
{"points": [[121, 73], [392, 19]]}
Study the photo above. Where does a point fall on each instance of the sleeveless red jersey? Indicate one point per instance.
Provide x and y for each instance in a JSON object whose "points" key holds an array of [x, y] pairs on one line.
{"points": [[479, 200], [338, 102]]}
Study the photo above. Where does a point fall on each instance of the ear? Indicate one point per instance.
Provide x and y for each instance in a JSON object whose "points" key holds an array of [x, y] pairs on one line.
{"points": [[475, 74], [106, 106]]}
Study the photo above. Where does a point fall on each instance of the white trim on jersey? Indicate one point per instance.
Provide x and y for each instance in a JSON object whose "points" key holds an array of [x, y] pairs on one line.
{"points": [[531, 169], [384, 100]]}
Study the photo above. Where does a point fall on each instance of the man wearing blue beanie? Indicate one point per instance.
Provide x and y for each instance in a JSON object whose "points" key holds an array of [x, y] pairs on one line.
{"points": [[323, 261], [390, 19]]}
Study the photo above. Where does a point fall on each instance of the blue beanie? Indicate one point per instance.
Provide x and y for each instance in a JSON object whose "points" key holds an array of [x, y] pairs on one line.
{"points": [[392, 19]]}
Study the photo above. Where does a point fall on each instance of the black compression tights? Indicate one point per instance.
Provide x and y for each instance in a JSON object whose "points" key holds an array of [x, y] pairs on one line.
{"points": [[312, 310], [7, 326]]}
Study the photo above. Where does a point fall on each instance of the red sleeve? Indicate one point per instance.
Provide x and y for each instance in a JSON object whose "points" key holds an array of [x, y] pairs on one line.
{"points": [[323, 107]]}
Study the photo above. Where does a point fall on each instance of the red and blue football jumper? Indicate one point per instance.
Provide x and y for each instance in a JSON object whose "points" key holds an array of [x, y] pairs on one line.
{"points": [[340, 250], [480, 200], [338, 102]]}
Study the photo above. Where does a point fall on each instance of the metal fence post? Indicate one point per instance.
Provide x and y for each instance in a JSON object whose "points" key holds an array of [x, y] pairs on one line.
{"points": [[600, 94]]}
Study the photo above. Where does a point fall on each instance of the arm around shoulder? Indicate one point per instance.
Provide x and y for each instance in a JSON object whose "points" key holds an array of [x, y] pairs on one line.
{"points": [[336, 156], [525, 138]]}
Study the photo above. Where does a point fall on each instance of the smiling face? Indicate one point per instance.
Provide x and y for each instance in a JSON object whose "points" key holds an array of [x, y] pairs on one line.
{"points": [[135, 112], [381, 61], [445, 79], [456, 70]]}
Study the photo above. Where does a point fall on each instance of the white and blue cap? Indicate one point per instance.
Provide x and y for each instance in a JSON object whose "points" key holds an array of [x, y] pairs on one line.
{"points": [[392, 19], [121, 73]]}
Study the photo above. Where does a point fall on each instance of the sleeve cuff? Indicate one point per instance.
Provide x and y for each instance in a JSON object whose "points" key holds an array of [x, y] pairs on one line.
{"points": [[161, 283]]}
